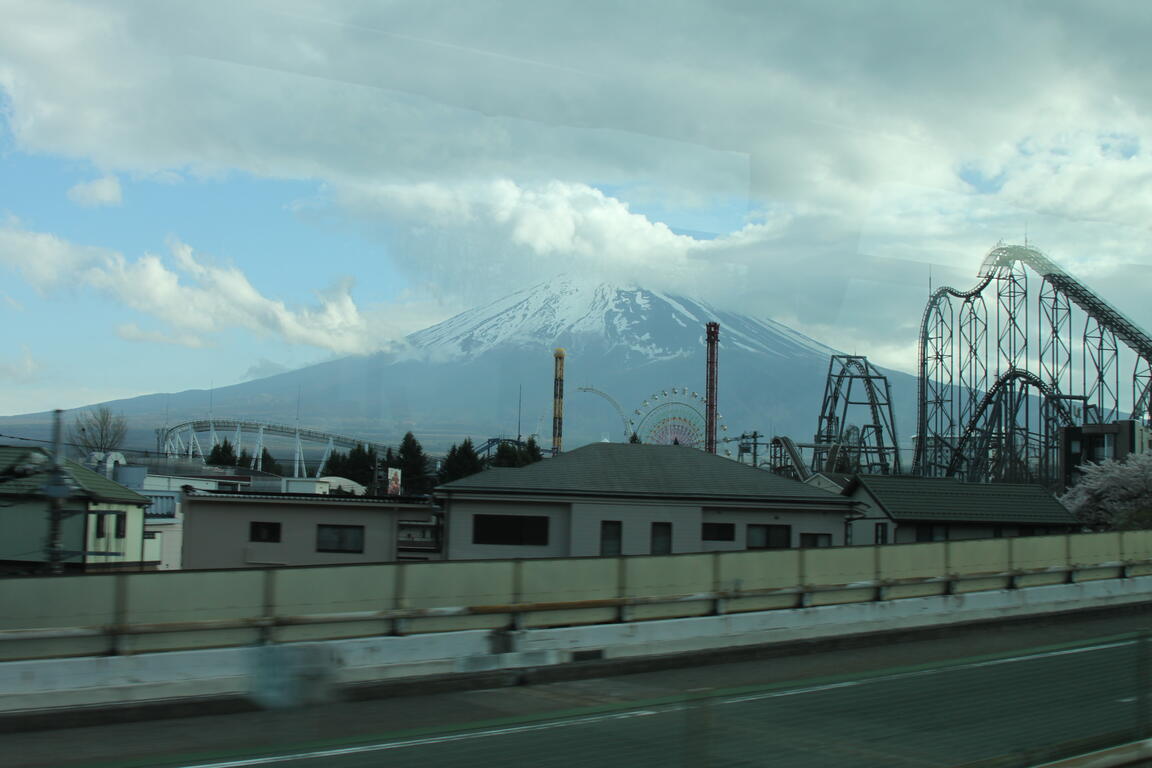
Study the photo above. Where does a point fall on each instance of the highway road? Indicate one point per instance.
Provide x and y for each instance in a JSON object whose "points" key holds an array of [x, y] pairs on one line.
{"points": [[976, 698]]}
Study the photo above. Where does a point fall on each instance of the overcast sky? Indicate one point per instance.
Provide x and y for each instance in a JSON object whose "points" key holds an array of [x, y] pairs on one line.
{"points": [[192, 193]]}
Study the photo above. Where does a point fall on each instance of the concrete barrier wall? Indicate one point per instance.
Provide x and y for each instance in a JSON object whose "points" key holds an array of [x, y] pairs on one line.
{"points": [[297, 673], [144, 612]]}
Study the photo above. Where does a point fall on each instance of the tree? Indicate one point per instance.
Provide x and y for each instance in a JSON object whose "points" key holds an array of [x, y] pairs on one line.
{"points": [[413, 463], [634, 439], [269, 464], [222, 455], [509, 454], [532, 452], [98, 430], [244, 459], [461, 461], [1113, 495]]}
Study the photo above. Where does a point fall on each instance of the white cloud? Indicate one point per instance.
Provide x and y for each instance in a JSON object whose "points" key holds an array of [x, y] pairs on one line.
{"points": [[490, 151], [98, 192], [191, 296], [132, 332], [21, 370]]}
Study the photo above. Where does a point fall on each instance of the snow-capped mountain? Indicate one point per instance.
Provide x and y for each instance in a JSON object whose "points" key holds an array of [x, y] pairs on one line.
{"points": [[487, 372], [639, 323]]}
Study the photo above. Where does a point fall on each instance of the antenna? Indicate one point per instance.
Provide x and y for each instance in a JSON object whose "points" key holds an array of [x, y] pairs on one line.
{"points": [[519, 411]]}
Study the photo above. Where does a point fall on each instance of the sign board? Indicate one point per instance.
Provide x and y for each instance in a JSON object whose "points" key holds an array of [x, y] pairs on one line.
{"points": [[393, 481]]}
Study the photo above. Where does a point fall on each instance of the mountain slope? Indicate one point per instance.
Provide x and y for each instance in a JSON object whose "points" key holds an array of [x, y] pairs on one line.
{"points": [[488, 372]]}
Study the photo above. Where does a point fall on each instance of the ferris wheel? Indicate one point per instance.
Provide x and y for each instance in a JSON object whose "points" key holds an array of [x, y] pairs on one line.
{"points": [[672, 417]]}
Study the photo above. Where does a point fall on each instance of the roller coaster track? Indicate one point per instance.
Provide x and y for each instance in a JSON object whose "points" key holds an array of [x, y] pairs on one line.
{"points": [[173, 443], [992, 398], [876, 450], [953, 376], [625, 424]]}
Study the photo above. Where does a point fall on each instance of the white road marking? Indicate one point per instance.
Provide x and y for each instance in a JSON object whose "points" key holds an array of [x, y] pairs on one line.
{"points": [[552, 724], [382, 747]]}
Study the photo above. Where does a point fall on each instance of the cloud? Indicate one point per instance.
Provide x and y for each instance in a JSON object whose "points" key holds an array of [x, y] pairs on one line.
{"points": [[264, 368], [21, 370], [489, 150], [190, 295], [132, 332], [98, 192]]}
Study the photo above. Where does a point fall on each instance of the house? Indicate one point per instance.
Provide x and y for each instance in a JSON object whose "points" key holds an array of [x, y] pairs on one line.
{"points": [[225, 529], [900, 509], [101, 521], [633, 499]]}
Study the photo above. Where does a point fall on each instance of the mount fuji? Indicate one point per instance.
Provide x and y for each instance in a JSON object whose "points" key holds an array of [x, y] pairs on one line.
{"points": [[487, 372]]}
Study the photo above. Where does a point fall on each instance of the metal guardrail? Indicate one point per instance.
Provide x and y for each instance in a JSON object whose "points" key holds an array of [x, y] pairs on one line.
{"points": [[720, 600]]}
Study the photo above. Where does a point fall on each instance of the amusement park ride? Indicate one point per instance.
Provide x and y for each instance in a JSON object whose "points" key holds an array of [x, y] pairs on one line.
{"points": [[1003, 368]]}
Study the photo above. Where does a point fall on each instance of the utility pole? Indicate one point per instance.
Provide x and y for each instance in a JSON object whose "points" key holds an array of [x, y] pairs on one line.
{"points": [[57, 491]]}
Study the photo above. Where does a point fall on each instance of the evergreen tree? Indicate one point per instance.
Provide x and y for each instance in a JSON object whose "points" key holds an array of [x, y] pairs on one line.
{"points": [[634, 439], [507, 455], [361, 465], [532, 452], [337, 465], [222, 455], [461, 461], [413, 463], [244, 459], [269, 464]]}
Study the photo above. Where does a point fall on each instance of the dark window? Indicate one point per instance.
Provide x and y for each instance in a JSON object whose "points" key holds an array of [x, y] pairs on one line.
{"points": [[718, 532], [769, 536], [514, 530], [611, 534], [881, 533], [810, 540], [149, 535], [101, 526], [121, 525], [931, 533], [264, 532], [661, 538], [339, 538]]}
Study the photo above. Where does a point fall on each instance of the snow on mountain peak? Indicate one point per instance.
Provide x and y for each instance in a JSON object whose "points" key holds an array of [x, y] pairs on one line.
{"points": [[568, 312]]}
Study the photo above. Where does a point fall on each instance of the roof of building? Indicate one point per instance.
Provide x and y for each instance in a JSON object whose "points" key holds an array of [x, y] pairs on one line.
{"points": [[24, 472], [949, 500], [629, 469], [314, 498]]}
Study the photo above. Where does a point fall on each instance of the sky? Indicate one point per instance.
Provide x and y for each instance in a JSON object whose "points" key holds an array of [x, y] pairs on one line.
{"points": [[196, 194]]}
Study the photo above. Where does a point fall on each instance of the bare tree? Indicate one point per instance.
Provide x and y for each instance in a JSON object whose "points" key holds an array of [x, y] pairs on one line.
{"points": [[98, 430]]}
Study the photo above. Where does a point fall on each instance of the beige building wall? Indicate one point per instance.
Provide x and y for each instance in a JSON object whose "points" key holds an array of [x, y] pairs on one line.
{"points": [[575, 526], [218, 531]]}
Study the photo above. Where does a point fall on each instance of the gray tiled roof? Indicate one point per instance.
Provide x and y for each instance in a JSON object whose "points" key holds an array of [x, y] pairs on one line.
{"points": [[85, 482], [945, 499], [627, 469]]}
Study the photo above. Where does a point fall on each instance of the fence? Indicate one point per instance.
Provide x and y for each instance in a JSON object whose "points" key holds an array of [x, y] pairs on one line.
{"points": [[138, 612]]}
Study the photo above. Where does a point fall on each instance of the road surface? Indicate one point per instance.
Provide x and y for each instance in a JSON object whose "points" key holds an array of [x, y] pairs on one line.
{"points": [[979, 697]]}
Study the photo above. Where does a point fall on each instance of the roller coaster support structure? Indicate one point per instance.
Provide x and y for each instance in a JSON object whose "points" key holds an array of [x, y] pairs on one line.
{"points": [[998, 379]]}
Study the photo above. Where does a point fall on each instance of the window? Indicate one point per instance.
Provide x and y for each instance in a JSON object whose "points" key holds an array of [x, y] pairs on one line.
{"points": [[339, 538], [718, 532], [769, 536], [810, 540], [512, 530], [101, 526], [661, 538], [931, 533], [269, 532], [611, 533], [121, 524], [881, 533]]}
